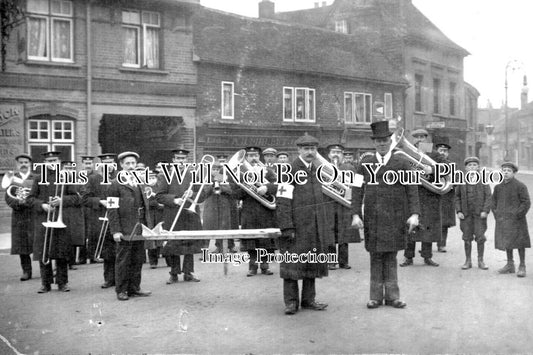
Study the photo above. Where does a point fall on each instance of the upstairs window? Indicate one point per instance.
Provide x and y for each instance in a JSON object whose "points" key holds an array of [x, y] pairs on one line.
{"points": [[436, 95], [388, 105], [357, 107], [419, 81], [341, 26], [452, 99], [227, 100], [299, 104], [50, 30], [141, 39]]}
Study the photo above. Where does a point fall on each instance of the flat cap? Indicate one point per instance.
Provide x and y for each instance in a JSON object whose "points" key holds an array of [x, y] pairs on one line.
{"points": [[471, 160], [270, 151], [420, 132], [128, 154], [511, 165], [23, 155], [282, 153], [306, 141]]}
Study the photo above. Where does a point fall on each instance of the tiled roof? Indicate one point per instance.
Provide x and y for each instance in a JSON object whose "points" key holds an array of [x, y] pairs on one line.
{"points": [[229, 39]]}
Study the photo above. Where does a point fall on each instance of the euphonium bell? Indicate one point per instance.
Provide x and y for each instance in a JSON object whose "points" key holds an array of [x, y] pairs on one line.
{"points": [[338, 191], [16, 188]]}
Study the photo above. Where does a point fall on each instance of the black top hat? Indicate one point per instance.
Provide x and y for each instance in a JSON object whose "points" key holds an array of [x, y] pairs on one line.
{"points": [[24, 155], [253, 150], [511, 165], [51, 154], [107, 156], [180, 151], [335, 146], [442, 142], [380, 129], [306, 140]]}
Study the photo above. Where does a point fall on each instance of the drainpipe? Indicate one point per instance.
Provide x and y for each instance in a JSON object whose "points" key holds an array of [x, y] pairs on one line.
{"points": [[89, 79]]}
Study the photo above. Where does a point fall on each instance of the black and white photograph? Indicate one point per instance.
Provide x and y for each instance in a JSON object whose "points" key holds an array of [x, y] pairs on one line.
{"points": [[265, 177]]}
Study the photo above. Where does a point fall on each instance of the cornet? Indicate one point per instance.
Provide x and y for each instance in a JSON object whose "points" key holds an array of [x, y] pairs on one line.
{"points": [[16, 188]]}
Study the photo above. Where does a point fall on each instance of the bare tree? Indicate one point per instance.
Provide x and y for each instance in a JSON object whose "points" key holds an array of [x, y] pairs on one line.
{"points": [[11, 14]]}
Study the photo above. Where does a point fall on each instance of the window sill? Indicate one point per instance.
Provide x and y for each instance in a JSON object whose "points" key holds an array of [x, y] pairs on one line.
{"points": [[299, 123], [52, 64], [143, 71], [357, 124]]}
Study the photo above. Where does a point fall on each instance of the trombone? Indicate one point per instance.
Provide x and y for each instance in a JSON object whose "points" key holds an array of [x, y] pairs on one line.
{"points": [[52, 223], [101, 236], [206, 159]]}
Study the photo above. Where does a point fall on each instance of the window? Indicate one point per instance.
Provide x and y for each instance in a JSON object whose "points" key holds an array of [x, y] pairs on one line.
{"points": [[141, 39], [388, 105], [436, 95], [357, 107], [299, 104], [452, 99], [419, 80], [341, 26], [50, 30], [227, 100], [45, 134]]}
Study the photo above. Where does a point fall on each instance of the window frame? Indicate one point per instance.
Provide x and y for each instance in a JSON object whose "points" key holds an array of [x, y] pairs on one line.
{"points": [[437, 94], [419, 97], [309, 108], [367, 111], [141, 28], [222, 102], [51, 142], [452, 102], [389, 105], [341, 26]]}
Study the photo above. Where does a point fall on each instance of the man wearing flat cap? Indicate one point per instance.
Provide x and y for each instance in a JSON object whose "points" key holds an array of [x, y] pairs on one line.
{"points": [[510, 204], [45, 199], [94, 195], [340, 216], [21, 216], [256, 215], [125, 222], [283, 157], [269, 154], [472, 202], [390, 213], [430, 228], [302, 218], [172, 196]]}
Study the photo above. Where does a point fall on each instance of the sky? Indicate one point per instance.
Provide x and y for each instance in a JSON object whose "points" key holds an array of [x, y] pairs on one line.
{"points": [[495, 32]]}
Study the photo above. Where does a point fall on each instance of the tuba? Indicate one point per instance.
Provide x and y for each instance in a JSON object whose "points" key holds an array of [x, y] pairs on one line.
{"points": [[418, 160], [338, 191], [238, 159], [16, 188]]}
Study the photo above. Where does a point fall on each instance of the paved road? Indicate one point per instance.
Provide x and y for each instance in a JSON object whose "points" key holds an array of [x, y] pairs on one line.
{"points": [[449, 311]]}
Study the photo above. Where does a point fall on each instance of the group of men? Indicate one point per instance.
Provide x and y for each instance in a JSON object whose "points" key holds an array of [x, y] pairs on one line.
{"points": [[393, 217]]}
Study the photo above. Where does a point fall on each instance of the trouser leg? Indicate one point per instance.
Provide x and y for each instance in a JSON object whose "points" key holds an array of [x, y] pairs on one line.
{"points": [[290, 292], [138, 256], [390, 276], [152, 256], [109, 271], [410, 250], [175, 264], [443, 238], [308, 291], [509, 255], [188, 264], [25, 263], [426, 250], [252, 264], [343, 253], [61, 272], [47, 275], [122, 267], [376, 277], [522, 255]]}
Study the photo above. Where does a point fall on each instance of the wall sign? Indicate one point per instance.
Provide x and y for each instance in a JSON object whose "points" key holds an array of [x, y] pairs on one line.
{"points": [[11, 134]]}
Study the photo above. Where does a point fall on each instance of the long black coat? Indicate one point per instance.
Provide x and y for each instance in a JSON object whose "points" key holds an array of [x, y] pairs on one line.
{"points": [[21, 222], [386, 207], [61, 240], [220, 210], [306, 215], [165, 194], [510, 204], [255, 215], [75, 221]]}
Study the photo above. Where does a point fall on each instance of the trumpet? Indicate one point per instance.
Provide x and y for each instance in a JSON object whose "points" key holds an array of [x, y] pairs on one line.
{"points": [[206, 159], [418, 160], [50, 224], [16, 188], [338, 191], [239, 159]]}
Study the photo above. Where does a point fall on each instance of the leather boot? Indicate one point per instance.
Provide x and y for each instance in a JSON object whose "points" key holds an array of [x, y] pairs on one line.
{"points": [[173, 279], [480, 252], [508, 268], [521, 271], [468, 252]]}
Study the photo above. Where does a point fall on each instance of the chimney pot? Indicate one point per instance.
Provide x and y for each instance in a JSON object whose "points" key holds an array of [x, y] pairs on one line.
{"points": [[266, 9]]}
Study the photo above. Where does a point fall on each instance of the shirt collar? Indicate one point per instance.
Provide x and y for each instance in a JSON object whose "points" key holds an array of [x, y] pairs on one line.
{"points": [[307, 165], [386, 157]]}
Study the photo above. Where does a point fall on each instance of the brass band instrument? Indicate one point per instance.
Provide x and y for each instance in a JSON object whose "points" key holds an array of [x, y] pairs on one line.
{"points": [[101, 236], [267, 200], [337, 190], [52, 223], [418, 160], [16, 188]]}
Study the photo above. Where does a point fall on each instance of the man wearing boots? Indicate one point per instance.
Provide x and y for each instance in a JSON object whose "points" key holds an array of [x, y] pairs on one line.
{"points": [[510, 204], [472, 202]]}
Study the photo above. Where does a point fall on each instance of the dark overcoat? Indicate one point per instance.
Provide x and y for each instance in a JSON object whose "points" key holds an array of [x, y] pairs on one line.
{"points": [[220, 210], [61, 240], [255, 215], [340, 217], [482, 199], [75, 221], [91, 194], [306, 215], [386, 207], [125, 218], [21, 222], [156, 214], [165, 194], [448, 209], [510, 204]]}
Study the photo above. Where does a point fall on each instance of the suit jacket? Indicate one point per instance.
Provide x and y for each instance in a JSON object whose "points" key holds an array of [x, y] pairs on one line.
{"points": [[482, 199]]}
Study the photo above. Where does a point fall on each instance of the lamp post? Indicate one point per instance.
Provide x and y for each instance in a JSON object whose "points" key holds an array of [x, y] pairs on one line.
{"points": [[489, 129], [513, 65]]}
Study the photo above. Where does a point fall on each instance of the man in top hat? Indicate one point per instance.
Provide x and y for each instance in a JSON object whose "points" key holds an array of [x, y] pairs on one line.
{"points": [[443, 147], [172, 196], [21, 216], [430, 229], [283, 157], [510, 204], [47, 199], [94, 195], [472, 202], [390, 212], [302, 217], [340, 216], [269, 154], [128, 209]]}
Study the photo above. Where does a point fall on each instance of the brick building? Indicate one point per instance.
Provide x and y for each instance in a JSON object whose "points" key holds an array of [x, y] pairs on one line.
{"points": [[266, 82]]}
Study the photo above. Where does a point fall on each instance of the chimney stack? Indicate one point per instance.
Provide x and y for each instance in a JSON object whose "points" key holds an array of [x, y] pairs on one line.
{"points": [[266, 9], [324, 3], [317, 4], [523, 95]]}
